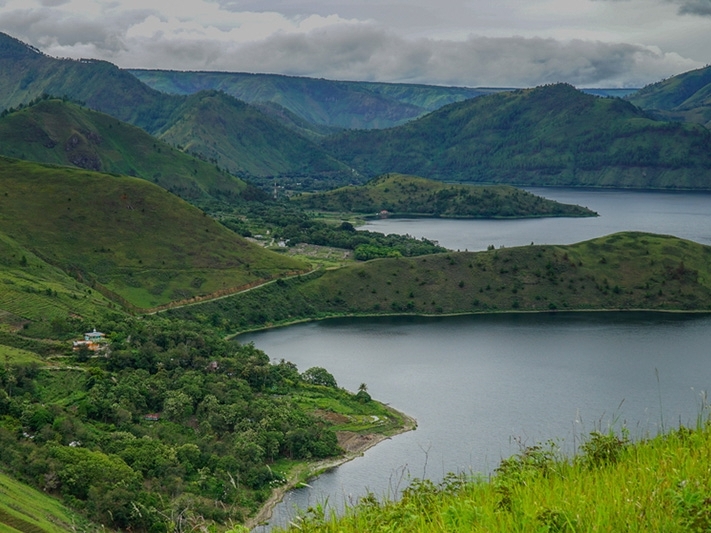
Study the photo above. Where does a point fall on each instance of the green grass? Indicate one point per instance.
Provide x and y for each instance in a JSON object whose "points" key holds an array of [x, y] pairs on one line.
{"points": [[16, 356], [412, 195], [657, 484], [26, 510], [58, 132], [125, 237], [624, 271]]}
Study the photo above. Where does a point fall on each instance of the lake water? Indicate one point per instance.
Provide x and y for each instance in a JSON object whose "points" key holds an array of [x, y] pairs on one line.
{"points": [[481, 386], [686, 215]]}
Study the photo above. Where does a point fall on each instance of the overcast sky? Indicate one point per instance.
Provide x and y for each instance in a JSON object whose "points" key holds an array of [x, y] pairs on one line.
{"points": [[476, 43]]}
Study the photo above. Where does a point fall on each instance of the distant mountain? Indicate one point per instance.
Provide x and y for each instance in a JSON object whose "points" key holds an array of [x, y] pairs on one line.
{"points": [[28, 74], [240, 138], [547, 136], [59, 132], [340, 104], [685, 97], [412, 195], [125, 237]]}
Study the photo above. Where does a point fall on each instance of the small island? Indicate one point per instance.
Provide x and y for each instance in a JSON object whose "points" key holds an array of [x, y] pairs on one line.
{"points": [[403, 195]]}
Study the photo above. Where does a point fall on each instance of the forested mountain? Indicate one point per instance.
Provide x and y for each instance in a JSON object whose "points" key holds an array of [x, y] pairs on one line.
{"points": [[28, 74], [240, 138], [553, 135], [397, 194], [64, 133], [133, 241], [341, 104], [685, 97]]}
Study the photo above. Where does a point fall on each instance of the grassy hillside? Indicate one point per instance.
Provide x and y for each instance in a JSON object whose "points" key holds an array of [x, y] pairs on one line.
{"points": [[126, 235], [552, 135], [621, 271], [40, 297], [242, 139], [28, 74], [658, 484], [60, 132], [341, 104], [412, 195], [27, 510], [684, 97]]}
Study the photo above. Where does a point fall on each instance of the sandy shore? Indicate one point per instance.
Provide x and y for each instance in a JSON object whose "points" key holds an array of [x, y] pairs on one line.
{"points": [[354, 445]]}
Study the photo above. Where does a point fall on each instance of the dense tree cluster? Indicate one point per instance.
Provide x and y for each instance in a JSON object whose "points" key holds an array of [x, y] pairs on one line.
{"points": [[175, 424]]}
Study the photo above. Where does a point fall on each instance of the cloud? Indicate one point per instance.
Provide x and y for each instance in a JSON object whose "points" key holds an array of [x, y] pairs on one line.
{"points": [[221, 35], [694, 7]]}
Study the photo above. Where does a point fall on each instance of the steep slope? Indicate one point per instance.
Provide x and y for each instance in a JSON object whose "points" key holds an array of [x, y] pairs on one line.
{"points": [[684, 97], [341, 104], [547, 136], [251, 144], [28, 74], [40, 297], [412, 195], [53, 131], [135, 242], [242, 139]]}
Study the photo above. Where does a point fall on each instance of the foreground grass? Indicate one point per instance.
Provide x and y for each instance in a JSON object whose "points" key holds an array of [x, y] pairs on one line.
{"points": [[660, 484]]}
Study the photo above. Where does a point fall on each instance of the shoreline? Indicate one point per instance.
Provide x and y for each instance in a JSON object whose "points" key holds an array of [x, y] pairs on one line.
{"points": [[305, 320], [355, 448]]}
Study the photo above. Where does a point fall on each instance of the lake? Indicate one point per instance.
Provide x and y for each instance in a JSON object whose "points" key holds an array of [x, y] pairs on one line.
{"points": [[686, 215], [482, 386]]}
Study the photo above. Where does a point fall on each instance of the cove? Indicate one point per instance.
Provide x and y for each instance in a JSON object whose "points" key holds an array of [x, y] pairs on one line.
{"points": [[481, 386]]}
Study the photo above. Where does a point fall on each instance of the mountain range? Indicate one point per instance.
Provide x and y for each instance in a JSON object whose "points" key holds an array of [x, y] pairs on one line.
{"points": [[553, 135]]}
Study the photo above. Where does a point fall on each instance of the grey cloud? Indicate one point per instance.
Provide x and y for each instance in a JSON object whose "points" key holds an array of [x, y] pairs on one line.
{"points": [[370, 53], [694, 7], [50, 28]]}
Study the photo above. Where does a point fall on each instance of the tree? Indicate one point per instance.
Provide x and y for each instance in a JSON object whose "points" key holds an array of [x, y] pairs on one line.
{"points": [[319, 376]]}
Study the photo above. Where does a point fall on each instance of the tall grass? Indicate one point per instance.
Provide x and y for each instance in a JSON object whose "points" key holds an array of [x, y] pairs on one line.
{"points": [[657, 484]]}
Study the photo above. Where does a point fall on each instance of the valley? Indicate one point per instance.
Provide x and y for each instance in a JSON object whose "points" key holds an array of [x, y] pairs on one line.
{"points": [[170, 211]]}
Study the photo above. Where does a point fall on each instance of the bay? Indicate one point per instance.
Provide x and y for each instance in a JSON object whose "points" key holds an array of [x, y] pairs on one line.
{"points": [[683, 214], [481, 387]]}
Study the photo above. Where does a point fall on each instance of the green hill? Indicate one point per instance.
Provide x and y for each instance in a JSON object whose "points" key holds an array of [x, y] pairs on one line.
{"points": [[547, 136], [684, 97], [27, 510], [341, 104], [238, 136], [63, 133], [40, 297], [621, 271], [411, 195], [134, 241], [242, 139]]}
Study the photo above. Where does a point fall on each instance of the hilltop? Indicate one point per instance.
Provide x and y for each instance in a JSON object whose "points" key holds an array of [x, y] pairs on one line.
{"points": [[137, 243], [241, 138], [337, 104], [64, 133], [412, 195], [620, 271], [685, 97], [547, 136], [102, 86]]}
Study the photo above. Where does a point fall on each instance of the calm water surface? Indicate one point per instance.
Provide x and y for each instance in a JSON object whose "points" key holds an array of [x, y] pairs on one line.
{"points": [[479, 386], [686, 215]]}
